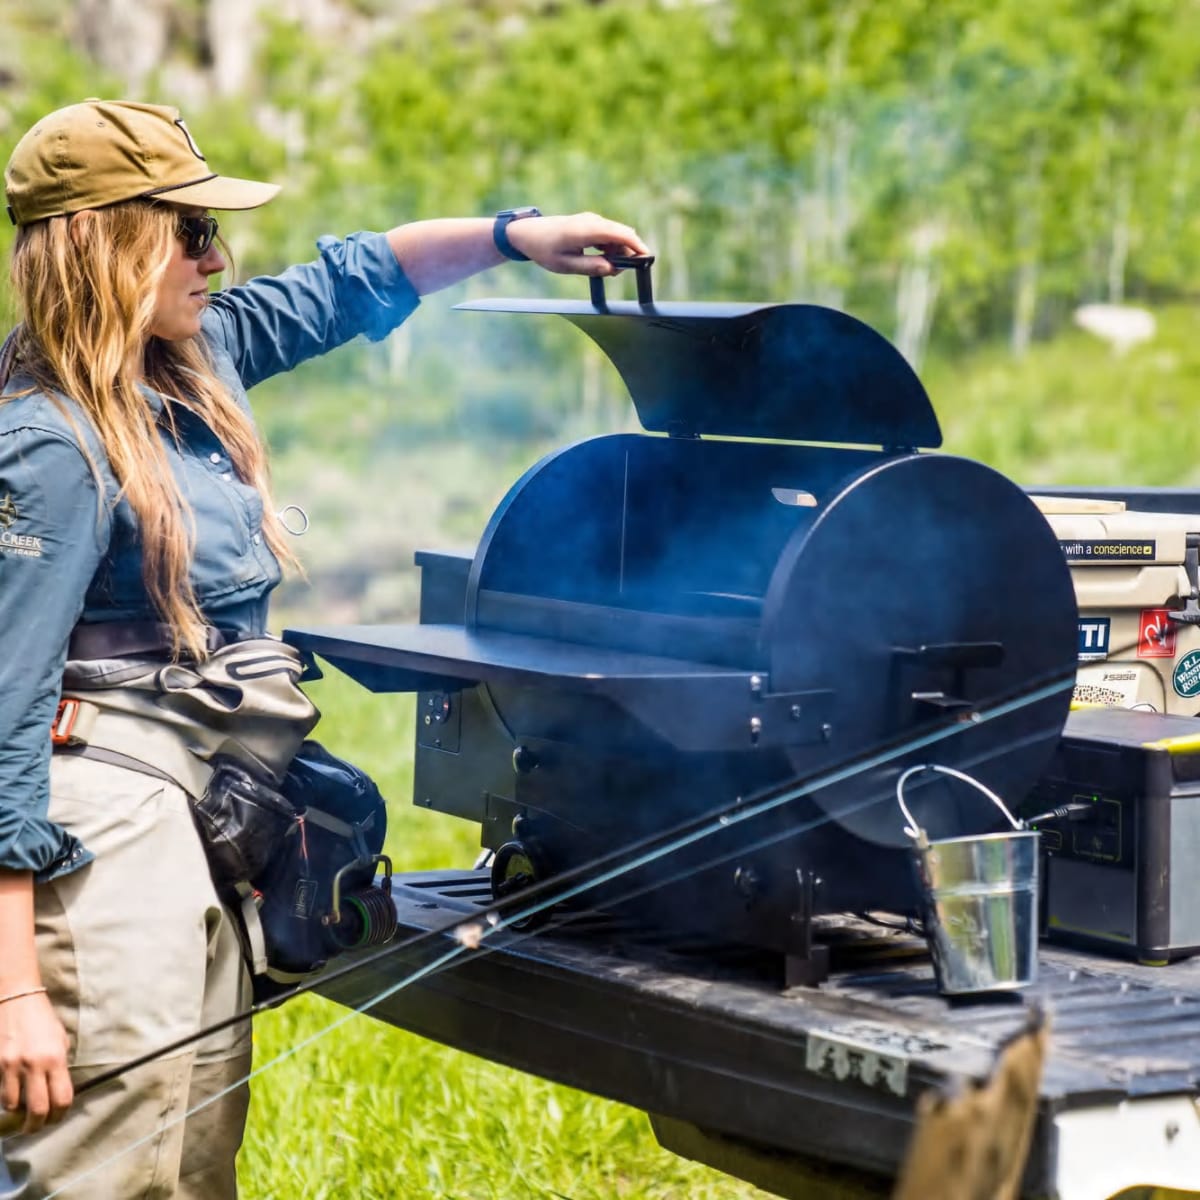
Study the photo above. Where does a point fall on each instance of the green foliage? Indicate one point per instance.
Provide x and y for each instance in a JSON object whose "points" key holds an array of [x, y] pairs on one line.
{"points": [[1073, 411], [977, 169]]}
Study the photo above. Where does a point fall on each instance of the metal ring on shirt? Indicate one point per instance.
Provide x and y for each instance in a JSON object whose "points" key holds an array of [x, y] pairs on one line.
{"points": [[282, 515]]}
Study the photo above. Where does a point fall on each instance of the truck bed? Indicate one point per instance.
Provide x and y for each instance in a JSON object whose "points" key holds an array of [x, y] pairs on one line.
{"points": [[785, 1086]]}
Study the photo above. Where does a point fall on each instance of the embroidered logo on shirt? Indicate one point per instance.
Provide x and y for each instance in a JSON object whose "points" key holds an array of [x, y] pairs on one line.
{"points": [[23, 545]]}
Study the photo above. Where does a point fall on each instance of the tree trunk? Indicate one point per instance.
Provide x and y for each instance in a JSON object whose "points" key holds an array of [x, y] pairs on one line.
{"points": [[234, 31], [128, 38], [679, 280], [841, 215], [399, 352], [839, 212], [1181, 174], [589, 391], [1024, 307], [917, 291], [799, 246], [1028, 247], [1118, 255]]}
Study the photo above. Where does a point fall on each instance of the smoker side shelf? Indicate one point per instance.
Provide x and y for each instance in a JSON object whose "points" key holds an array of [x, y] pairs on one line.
{"points": [[408, 656], [828, 1075], [691, 706]]}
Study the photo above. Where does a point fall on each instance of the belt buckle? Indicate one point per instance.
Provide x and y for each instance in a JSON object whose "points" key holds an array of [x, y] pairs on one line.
{"points": [[64, 722]]}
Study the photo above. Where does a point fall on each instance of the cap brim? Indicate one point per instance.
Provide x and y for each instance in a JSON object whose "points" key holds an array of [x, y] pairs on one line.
{"points": [[219, 192]]}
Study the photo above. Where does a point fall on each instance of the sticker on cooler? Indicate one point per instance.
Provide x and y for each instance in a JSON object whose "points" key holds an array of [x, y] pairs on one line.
{"points": [[1093, 638], [1186, 677], [1156, 634]]}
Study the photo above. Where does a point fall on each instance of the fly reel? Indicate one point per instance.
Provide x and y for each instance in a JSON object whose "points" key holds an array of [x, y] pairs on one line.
{"points": [[362, 915]]}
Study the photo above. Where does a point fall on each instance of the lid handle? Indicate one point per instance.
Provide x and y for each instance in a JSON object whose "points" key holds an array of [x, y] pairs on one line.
{"points": [[641, 263]]}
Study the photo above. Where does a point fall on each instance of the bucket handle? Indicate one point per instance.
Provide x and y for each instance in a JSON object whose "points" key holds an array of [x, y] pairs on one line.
{"points": [[913, 830]]}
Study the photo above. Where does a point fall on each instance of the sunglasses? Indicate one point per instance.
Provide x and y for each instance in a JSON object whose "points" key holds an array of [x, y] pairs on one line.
{"points": [[197, 234]]}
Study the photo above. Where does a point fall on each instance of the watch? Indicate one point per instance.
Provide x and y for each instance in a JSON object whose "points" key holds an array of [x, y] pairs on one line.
{"points": [[504, 218]]}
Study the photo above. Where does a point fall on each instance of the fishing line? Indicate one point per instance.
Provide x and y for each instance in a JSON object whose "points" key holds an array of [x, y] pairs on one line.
{"points": [[458, 950], [495, 919], [743, 848], [766, 801], [664, 841], [551, 893], [557, 890]]}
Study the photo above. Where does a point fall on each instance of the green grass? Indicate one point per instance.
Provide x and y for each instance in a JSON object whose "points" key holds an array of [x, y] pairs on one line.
{"points": [[372, 1113], [1072, 411]]}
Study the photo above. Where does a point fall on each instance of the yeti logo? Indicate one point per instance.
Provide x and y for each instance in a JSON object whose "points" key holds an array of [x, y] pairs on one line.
{"points": [[1093, 639], [191, 141], [8, 512]]}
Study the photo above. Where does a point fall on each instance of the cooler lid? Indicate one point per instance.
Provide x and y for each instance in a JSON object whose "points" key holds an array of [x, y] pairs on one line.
{"points": [[789, 372]]}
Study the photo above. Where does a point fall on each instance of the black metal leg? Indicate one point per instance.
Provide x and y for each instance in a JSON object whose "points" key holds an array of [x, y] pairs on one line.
{"points": [[806, 964]]}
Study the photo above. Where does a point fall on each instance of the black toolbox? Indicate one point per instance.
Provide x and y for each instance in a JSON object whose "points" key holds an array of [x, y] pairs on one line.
{"points": [[1121, 855]]}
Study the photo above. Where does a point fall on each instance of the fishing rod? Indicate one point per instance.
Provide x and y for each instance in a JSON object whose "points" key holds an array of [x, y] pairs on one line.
{"points": [[512, 911]]}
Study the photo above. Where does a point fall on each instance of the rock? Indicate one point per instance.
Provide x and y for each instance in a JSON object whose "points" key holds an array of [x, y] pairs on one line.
{"points": [[1121, 325]]}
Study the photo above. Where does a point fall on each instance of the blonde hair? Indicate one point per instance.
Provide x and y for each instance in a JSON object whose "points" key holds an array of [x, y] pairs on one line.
{"points": [[88, 287]]}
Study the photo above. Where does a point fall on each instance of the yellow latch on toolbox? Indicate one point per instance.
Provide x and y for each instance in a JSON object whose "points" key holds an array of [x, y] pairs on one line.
{"points": [[1188, 743]]}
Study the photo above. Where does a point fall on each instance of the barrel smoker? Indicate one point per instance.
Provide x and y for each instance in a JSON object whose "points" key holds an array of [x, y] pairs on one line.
{"points": [[776, 578]]}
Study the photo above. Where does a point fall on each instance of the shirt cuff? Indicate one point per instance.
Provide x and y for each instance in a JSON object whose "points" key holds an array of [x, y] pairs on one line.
{"points": [[38, 845], [375, 295]]}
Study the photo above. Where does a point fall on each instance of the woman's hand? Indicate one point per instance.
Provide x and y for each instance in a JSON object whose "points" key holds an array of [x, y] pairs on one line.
{"points": [[33, 1062], [560, 244], [33, 1043], [437, 253]]}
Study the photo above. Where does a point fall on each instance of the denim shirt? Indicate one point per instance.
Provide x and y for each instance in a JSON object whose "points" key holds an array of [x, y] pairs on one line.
{"points": [[69, 547]]}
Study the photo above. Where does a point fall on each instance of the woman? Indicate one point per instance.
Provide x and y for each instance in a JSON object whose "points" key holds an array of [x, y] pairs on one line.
{"points": [[135, 521]]}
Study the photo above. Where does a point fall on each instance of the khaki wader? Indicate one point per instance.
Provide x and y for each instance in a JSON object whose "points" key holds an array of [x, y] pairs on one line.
{"points": [[135, 948]]}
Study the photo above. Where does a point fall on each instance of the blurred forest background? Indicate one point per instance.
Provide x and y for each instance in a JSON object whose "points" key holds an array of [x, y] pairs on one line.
{"points": [[962, 174]]}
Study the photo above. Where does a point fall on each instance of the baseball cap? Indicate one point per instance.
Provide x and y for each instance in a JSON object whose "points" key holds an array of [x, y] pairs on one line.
{"points": [[103, 151]]}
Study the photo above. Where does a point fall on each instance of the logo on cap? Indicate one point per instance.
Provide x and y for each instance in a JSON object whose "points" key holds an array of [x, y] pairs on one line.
{"points": [[191, 141], [8, 511]]}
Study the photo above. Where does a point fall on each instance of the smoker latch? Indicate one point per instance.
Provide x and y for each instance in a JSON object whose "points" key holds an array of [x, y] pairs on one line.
{"points": [[942, 659]]}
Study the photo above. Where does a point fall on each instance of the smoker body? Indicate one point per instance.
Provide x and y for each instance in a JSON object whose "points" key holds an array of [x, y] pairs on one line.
{"points": [[785, 585]]}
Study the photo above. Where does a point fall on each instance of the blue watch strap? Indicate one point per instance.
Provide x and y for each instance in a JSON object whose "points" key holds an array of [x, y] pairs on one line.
{"points": [[504, 218]]}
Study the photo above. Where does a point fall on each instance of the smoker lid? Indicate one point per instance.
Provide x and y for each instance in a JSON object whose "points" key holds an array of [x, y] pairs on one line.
{"points": [[790, 372]]}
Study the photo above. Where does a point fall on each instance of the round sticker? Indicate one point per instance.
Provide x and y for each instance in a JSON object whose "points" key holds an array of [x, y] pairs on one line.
{"points": [[1187, 674]]}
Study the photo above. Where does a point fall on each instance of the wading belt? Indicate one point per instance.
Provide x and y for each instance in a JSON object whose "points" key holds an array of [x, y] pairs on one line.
{"points": [[75, 721], [120, 639], [240, 703]]}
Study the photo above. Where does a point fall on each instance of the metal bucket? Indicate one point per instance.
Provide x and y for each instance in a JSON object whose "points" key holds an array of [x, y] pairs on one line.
{"points": [[980, 900]]}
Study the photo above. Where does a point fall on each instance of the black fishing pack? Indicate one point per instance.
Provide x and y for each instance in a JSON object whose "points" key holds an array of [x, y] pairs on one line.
{"points": [[297, 863]]}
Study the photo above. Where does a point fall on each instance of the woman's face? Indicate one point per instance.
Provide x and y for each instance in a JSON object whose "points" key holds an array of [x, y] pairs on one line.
{"points": [[183, 291]]}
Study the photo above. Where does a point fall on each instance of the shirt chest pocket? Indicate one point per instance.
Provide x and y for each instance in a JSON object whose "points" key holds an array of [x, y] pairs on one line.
{"points": [[228, 553], [228, 525]]}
